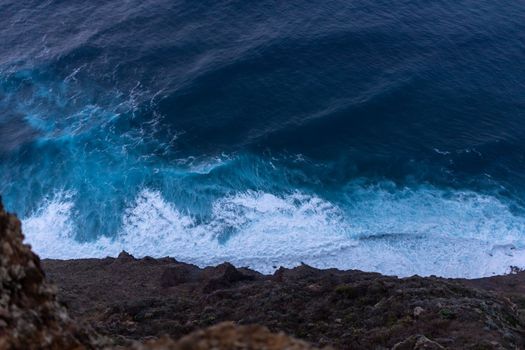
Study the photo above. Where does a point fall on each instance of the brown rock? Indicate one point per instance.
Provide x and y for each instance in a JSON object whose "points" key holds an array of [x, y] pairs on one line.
{"points": [[227, 336], [30, 316]]}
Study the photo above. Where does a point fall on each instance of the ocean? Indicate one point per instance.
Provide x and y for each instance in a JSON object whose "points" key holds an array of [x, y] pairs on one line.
{"points": [[375, 135]]}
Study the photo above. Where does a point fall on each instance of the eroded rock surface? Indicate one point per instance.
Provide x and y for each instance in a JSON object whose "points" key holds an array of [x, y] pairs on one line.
{"points": [[145, 303], [32, 318], [30, 315], [134, 299]]}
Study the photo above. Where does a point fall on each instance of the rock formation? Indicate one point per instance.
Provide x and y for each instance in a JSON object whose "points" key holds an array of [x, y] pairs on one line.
{"points": [[32, 318], [144, 304], [30, 315], [132, 299]]}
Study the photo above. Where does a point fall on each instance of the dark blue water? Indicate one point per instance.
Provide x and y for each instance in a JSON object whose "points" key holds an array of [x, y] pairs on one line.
{"points": [[357, 134]]}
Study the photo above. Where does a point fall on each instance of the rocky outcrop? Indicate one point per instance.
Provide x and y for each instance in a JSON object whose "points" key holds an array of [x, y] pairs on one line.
{"points": [[30, 315], [145, 303], [132, 299], [32, 318]]}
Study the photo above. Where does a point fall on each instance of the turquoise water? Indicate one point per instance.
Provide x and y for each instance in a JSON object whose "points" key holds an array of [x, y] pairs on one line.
{"points": [[353, 135]]}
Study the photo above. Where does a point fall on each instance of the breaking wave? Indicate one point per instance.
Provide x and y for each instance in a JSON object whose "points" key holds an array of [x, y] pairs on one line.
{"points": [[425, 232], [370, 135]]}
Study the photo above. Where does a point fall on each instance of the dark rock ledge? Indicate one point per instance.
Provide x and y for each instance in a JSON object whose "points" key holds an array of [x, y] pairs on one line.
{"points": [[144, 303], [32, 317], [137, 299]]}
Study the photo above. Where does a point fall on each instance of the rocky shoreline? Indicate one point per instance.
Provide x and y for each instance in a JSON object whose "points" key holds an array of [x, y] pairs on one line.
{"points": [[145, 303], [130, 299]]}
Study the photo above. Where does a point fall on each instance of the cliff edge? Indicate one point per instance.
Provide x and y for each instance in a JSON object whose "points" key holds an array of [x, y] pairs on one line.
{"points": [[142, 304], [31, 317]]}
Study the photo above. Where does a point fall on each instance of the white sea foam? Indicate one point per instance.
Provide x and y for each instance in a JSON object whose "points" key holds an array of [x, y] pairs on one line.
{"points": [[260, 226], [402, 232], [50, 231]]}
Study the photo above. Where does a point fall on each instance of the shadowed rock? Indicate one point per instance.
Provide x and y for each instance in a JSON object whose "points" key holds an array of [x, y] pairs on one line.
{"points": [[180, 274], [30, 316], [142, 298], [229, 336], [224, 276], [130, 301]]}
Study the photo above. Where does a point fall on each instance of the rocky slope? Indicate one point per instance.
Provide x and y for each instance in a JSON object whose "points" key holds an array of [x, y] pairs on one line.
{"points": [[135, 299], [31, 317], [145, 303]]}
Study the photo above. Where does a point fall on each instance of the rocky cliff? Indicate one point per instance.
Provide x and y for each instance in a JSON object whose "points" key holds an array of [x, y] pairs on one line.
{"points": [[145, 303], [30, 315], [133, 299]]}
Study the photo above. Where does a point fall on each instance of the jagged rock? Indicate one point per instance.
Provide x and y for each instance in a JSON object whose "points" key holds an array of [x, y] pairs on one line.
{"points": [[30, 316], [130, 300], [225, 275], [125, 256], [344, 309]]}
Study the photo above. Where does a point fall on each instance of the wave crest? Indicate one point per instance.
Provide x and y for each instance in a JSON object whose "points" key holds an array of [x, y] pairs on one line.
{"points": [[263, 230]]}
